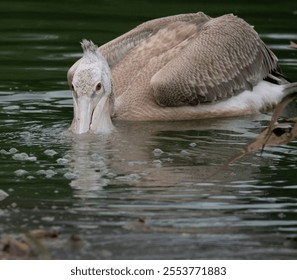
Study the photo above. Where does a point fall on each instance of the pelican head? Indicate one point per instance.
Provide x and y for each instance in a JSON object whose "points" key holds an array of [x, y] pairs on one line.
{"points": [[91, 85]]}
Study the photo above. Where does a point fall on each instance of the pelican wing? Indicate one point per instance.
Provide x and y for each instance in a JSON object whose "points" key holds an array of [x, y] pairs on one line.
{"points": [[116, 50], [226, 57]]}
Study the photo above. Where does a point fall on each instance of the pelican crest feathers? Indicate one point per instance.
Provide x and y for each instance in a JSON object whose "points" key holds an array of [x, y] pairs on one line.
{"points": [[88, 46]]}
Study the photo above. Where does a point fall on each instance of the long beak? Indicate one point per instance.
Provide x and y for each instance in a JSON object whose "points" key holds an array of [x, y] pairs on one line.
{"points": [[82, 115], [91, 117]]}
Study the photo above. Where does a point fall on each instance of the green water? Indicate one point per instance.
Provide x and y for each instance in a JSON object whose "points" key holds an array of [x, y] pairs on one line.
{"points": [[140, 193]]}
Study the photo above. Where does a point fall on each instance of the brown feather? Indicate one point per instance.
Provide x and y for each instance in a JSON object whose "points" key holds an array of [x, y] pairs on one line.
{"points": [[224, 58]]}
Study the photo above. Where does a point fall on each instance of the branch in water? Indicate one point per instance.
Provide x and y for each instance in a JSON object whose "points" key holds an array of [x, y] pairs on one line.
{"points": [[279, 132]]}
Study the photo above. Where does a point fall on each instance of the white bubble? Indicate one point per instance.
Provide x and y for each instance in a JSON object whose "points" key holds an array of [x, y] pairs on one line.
{"points": [[157, 163], [157, 152], [23, 156], [110, 175], [70, 176], [48, 173], [50, 152], [48, 218], [62, 160], [4, 152], [184, 153], [20, 172], [14, 205], [11, 151]]}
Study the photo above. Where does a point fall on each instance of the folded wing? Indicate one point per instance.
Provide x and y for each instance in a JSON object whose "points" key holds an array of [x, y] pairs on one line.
{"points": [[226, 57]]}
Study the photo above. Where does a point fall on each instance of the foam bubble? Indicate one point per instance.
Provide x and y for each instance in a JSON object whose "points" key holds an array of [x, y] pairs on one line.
{"points": [[70, 176], [23, 156], [63, 160], [20, 172], [50, 152], [4, 152], [157, 163], [13, 150], [48, 173], [14, 205], [157, 152], [48, 218], [9, 152], [184, 153]]}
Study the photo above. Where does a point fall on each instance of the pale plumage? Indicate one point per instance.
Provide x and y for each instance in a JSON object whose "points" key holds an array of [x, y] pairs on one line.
{"points": [[181, 67]]}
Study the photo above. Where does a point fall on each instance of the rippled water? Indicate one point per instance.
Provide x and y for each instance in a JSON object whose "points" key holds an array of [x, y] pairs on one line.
{"points": [[152, 189]]}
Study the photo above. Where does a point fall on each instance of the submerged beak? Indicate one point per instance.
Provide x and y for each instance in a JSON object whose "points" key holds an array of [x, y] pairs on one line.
{"points": [[90, 117], [82, 114]]}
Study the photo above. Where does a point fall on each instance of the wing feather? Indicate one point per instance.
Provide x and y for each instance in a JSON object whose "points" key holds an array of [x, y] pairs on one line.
{"points": [[226, 57], [115, 50]]}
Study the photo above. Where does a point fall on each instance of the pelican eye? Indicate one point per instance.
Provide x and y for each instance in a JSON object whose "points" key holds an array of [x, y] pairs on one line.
{"points": [[98, 87]]}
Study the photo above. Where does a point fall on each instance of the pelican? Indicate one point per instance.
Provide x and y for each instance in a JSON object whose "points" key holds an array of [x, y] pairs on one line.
{"points": [[181, 67]]}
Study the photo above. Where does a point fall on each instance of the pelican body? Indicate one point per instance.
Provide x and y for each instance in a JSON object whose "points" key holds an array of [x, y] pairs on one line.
{"points": [[181, 67]]}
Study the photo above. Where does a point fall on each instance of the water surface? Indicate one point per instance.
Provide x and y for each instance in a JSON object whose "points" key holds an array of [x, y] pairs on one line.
{"points": [[152, 189]]}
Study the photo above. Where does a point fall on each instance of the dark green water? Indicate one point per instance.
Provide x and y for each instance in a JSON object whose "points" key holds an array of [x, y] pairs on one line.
{"points": [[141, 192]]}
